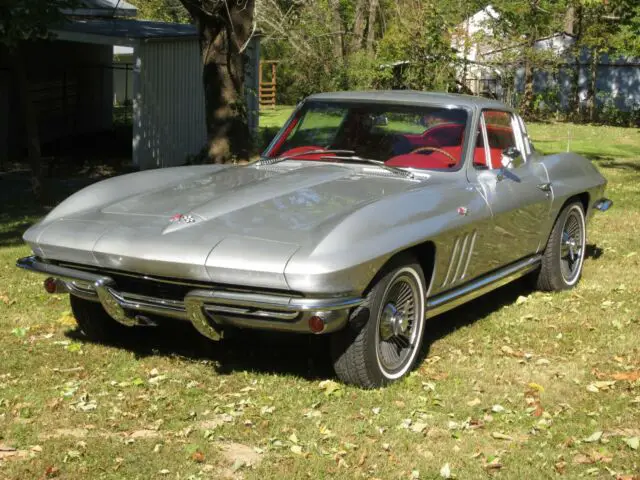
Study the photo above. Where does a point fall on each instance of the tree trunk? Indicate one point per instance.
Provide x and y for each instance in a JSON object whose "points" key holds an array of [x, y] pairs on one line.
{"points": [[371, 25], [528, 95], [526, 103], [30, 119], [338, 38], [224, 34], [357, 33]]}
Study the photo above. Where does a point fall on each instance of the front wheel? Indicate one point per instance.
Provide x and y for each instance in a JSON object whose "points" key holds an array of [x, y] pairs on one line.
{"points": [[95, 322], [564, 255], [384, 336]]}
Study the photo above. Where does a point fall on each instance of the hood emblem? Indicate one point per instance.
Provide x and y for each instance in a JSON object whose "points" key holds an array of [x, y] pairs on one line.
{"points": [[178, 217]]}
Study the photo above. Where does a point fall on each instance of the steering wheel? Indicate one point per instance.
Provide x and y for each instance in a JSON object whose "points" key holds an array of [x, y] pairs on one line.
{"points": [[434, 149]]}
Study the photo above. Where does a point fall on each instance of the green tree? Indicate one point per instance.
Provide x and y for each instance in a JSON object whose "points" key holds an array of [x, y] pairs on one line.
{"points": [[24, 21], [520, 25], [420, 34], [162, 10]]}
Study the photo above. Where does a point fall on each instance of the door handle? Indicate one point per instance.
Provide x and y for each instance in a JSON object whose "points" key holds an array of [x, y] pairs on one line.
{"points": [[545, 187]]}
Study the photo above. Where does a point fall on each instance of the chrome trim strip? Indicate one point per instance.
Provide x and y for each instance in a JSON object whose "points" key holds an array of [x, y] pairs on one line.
{"points": [[213, 309], [461, 259], [265, 301], [454, 253], [453, 298], [469, 255], [63, 273]]}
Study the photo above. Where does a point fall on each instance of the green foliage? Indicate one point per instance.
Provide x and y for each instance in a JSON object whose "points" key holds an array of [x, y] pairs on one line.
{"points": [[162, 10], [22, 20], [420, 36]]}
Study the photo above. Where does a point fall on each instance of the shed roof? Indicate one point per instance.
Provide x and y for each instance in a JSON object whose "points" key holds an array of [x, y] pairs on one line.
{"points": [[103, 8], [119, 31]]}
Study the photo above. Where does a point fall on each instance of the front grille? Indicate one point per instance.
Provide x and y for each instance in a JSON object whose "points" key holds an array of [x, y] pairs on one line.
{"points": [[168, 288], [150, 288]]}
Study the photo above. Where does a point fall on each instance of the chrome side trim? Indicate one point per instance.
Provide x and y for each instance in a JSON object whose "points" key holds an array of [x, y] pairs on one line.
{"points": [[469, 255], [454, 255], [453, 298], [63, 273], [265, 301]]}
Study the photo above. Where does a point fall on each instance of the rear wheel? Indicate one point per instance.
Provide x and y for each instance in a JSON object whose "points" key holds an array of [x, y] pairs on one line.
{"points": [[564, 255], [382, 342], [94, 321]]}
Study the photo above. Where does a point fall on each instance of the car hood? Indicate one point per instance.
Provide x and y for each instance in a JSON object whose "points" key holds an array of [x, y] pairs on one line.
{"points": [[211, 227]]}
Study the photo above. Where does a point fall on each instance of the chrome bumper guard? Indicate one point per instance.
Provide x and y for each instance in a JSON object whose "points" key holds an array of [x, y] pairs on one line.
{"points": [[207, 310]]}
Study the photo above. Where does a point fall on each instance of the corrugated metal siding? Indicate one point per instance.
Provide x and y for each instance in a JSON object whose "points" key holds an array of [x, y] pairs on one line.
{"points": [[169, 112]]}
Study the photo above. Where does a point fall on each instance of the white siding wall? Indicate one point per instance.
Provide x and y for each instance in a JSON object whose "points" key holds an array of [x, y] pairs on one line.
{"points": [[168, 106]]}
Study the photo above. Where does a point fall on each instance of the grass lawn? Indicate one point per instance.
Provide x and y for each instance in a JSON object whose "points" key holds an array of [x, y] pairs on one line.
{"points": [[517, 385]]}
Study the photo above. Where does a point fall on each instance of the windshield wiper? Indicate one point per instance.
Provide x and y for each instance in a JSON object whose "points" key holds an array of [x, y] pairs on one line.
{"points": [[282, 158], [378, 163]]}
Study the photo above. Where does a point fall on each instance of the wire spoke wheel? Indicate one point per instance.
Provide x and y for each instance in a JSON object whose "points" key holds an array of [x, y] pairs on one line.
{"points": [[398, 323], [572, 246]]}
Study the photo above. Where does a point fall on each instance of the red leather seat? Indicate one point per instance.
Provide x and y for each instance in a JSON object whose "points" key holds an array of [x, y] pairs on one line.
{"points": [[443, 135], [427, 159]]}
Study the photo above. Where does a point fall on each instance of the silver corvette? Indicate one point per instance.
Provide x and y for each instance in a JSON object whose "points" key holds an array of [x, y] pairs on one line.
{"points": [[368, 214]]}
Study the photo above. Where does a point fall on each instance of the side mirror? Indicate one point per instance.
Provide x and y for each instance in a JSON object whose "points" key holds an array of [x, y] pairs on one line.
{"points": [[511, 158]]}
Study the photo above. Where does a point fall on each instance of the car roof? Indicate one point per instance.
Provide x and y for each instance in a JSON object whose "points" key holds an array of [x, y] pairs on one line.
{"points": [[412, 97]]}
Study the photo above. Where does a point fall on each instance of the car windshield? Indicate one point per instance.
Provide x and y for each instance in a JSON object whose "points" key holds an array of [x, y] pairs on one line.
{"points": [[398, 135]]}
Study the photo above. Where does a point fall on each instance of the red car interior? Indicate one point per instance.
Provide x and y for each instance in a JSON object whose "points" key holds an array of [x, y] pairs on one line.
{"points": [[447, 137]]}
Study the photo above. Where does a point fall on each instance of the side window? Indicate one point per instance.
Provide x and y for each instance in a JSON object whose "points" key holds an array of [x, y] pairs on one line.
{"points": [[479, 152], [500, 134]]}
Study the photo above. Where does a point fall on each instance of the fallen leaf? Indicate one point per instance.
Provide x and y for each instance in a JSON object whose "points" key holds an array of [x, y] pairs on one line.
{"points": [[330, 387], [297, 449], [501, 436], [418, 427], [594, 437], [633, 442], [629, 376], [474, 402], [445, 471], [497, 409], [197, 456], [582, 459]]}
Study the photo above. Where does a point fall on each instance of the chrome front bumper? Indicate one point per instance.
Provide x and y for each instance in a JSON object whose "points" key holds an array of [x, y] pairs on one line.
{"points": [[207, 309]]}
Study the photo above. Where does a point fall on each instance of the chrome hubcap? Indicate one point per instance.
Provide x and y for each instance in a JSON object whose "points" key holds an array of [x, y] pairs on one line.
{"points": [[571, 247], [398, 324]]}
